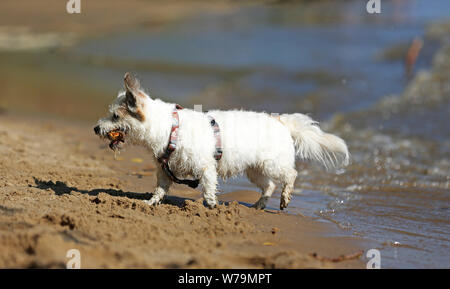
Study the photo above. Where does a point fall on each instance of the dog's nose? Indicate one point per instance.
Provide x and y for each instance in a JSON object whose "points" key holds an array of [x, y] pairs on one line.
{"points": [[97, 129]]}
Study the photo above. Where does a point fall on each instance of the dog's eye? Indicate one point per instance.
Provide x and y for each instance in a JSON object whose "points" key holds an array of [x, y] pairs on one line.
{"points": [[115, 117]]}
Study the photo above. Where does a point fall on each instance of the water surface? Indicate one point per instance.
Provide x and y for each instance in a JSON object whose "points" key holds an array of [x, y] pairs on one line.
{"points": [[333, 61]]}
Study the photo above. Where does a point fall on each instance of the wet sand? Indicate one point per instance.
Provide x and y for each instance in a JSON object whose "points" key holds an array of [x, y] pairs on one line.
{"points": [[61, 189]]}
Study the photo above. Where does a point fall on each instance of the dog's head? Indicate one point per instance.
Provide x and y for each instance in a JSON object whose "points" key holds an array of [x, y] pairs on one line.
{"points": [[126, 115]]}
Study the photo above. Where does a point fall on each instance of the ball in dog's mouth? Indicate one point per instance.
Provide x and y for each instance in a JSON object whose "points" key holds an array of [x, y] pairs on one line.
{"points": [[116, 137]]}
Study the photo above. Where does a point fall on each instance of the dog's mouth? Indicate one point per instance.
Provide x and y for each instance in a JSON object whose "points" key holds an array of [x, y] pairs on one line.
{"points": [[116, 137]]}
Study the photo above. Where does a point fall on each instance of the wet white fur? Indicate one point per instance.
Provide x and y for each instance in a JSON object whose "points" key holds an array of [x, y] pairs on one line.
{"points": [[257, 144]]}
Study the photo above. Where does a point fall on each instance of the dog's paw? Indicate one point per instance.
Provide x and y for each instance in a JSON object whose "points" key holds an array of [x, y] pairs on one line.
{"points": [[153, 201], [210, 205], [283, 204], [261, 203], [285, 199], [210, 202]]}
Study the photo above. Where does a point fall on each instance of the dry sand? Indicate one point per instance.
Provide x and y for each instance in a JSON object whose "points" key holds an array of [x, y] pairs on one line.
{"points": [[60, 188]]}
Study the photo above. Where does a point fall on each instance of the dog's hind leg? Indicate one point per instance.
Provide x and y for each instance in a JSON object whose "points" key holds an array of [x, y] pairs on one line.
{"points": [[265, 196], [162, 187], [266, 185], [288, 187], [209, 184]]}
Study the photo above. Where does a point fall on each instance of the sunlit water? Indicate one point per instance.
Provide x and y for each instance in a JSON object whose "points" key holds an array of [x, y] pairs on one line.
{"points": [[396, 192]]}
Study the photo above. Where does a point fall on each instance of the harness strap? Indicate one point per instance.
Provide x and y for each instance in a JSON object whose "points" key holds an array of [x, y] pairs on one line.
{"points": [[216, 129], [173, 138]]}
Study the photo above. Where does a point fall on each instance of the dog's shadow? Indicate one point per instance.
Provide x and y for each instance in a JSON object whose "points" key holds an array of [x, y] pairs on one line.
{"points": [[61, 188]]}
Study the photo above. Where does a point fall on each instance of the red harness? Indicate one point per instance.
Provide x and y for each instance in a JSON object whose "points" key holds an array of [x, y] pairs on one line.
{"points": [[173, 138]]}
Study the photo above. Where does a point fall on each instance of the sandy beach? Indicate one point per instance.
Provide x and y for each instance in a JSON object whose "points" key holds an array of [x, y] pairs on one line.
{"points": [[61, 189]]}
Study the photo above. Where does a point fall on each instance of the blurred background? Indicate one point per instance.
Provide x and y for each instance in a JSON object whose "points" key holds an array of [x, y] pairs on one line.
{"points": [[380, 81]]}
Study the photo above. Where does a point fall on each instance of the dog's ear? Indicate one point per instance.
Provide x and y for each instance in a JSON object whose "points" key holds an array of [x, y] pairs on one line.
{"points": [[131, 83], [132, 87]]}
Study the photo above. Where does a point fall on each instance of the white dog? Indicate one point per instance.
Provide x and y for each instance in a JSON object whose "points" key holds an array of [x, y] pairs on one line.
{"points": [[258, 144]]}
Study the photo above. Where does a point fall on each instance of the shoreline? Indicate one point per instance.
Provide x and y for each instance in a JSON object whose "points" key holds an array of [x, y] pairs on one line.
{"points": [[61, 189]]}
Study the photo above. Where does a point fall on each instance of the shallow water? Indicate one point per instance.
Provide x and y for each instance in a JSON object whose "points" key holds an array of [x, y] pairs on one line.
{"points": [[319, 59]]}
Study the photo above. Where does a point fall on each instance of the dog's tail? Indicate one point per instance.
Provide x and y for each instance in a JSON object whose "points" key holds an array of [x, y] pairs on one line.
{"points": [[311, 143]]}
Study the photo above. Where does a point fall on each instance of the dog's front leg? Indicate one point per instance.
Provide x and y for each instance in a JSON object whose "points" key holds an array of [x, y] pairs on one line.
{"points": [[162, 187], [209, 184]]}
